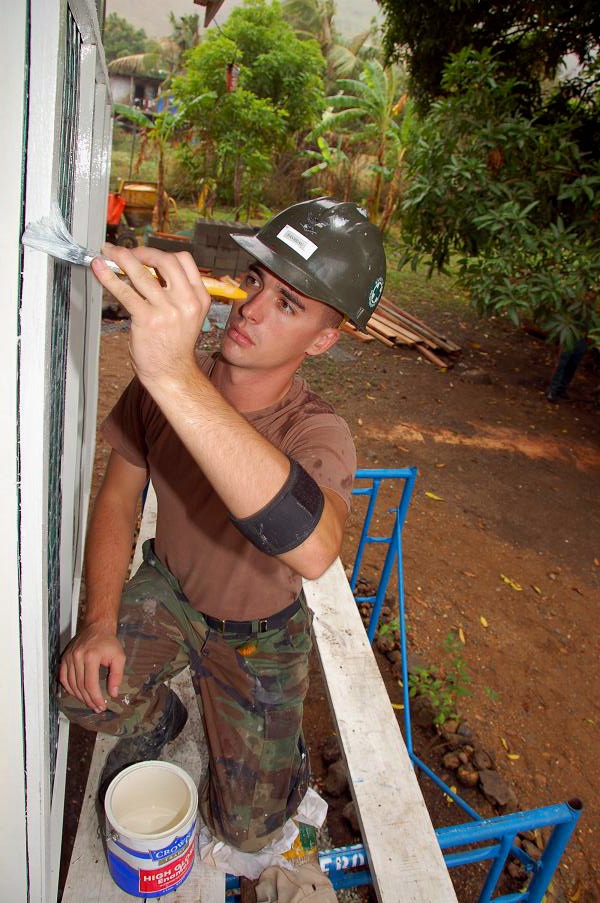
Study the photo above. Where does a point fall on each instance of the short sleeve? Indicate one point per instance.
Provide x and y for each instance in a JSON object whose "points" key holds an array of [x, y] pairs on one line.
{"points": [[326, 450], [124, 427]]}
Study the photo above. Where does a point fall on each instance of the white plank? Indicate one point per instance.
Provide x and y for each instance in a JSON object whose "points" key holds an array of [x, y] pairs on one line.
{"points": [[45, 27], [405, 858], [89, 880], [13, 841]]}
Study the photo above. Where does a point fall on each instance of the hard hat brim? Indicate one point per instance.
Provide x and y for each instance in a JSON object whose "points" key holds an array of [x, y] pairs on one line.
{"points": [[300, 280]]}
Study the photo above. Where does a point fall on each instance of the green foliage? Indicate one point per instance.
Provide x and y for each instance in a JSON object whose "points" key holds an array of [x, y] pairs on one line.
{"points": [[122, 39], [172, 50], [315, 19], [389, 627], [238, 135], [365, 115], [491, 694], [514, 195], [336, 164], [312, 18], [365, 105], [445, 690], [157, 133], [160, 129], [529, 37], [133, 115], [364, 111], [185, 32]]}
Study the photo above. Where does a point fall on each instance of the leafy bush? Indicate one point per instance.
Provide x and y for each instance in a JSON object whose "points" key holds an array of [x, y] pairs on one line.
{"points": [[443, 691], [515, 193]]}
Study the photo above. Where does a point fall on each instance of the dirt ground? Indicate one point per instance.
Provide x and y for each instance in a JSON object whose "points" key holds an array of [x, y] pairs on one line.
{"points": [[507, 488]]}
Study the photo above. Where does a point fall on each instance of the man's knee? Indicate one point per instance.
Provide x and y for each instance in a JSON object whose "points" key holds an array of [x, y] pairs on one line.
{"points": [[250, 821], [129, 713]]}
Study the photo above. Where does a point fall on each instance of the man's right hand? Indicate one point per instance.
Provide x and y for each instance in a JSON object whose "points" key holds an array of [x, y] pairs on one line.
{"points": [[94, 646]]}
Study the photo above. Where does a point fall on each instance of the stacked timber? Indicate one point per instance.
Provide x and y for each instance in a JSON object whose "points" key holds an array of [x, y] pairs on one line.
{"points": [[393, 327]]}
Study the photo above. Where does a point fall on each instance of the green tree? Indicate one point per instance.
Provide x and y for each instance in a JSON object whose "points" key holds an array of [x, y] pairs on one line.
{"points": [[185, 35], [334, 165], [240, 135], [312, 18], [275, 65], [122, 39], [186, 31], [366, 111], [165, 57], [513, 194], [530, 38], [315, 19], [158, 133]]}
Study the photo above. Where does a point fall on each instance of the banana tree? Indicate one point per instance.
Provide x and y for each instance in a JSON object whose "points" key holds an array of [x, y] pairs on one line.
{"points": [[314, 19], [157, 132], [335, 164], [367, 111]]}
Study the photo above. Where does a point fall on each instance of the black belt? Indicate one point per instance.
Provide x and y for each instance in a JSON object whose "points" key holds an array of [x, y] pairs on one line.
{"points": [[260, 625]]}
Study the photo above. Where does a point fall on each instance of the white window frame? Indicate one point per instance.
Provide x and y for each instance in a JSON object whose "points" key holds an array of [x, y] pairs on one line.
{"points": [[34, 33]]}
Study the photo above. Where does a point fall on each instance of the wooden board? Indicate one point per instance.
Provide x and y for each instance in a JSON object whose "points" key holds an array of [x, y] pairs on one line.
{"points": [[89, 880], [382, 327], [353, 331], [405, 858], [377, 335], [397, 329], [410, 321]]}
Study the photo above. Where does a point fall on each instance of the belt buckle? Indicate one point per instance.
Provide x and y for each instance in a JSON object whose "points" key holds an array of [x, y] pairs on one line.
{"points": [[263, 625], [222, 625]]}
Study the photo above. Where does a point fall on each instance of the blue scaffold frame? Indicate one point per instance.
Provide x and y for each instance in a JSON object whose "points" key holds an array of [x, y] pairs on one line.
{"points": [[348, 866]]}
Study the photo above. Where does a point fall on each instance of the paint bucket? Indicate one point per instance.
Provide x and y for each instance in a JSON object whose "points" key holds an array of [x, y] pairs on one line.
{"points": [[151, 818]]}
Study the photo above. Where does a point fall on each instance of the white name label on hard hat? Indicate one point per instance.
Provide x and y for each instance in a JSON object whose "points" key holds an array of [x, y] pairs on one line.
{"points": [[293, 239]]}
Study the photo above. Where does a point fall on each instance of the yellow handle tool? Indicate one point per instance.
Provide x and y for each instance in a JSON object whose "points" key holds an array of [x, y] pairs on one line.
{"points": [[215, 287], [218, 289]]}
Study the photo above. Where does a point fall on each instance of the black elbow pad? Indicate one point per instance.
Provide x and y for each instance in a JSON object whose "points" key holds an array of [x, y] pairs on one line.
{"points": [[289, 518]]}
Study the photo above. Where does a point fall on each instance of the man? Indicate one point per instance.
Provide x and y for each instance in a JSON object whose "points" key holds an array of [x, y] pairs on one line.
{"points": [[253, 474], [566, 366]]}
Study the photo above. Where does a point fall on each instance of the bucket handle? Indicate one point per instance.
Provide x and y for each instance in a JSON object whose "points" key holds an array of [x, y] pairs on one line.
{"points": [[105, 834]]}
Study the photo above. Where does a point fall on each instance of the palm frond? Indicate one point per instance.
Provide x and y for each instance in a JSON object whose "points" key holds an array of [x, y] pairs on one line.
{"points": [[133, 115], [342, 61]]}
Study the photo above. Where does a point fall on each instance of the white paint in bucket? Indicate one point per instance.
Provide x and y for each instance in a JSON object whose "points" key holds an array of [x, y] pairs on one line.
{"points": [[151, 818]]}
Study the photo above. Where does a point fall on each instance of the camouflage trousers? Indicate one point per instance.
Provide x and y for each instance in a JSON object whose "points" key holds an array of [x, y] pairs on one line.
{"points": [[250, 692]]}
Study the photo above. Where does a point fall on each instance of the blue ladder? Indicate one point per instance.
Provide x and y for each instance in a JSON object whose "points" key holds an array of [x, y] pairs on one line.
{"points": [[348, 866]]}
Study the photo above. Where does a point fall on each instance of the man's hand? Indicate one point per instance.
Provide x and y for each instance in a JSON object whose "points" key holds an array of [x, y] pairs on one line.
{"points": [[79, 673], [166, 319]]}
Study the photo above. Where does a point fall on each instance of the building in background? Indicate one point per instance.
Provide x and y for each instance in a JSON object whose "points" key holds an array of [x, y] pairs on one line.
{"points": [[130, 86]]}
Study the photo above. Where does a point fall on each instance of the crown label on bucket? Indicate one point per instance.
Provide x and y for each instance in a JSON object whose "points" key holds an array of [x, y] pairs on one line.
{"points": [[152, 880], [179, 844]]}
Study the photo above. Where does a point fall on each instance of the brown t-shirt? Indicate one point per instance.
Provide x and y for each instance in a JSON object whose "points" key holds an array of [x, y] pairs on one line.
{"points": [[220, 572]]}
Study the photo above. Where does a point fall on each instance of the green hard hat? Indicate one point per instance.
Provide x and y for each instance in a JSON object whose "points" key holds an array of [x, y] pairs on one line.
{"points": [[326, 249]]}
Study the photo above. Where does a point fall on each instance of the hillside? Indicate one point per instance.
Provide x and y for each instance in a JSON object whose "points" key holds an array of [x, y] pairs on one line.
{"points": [[353, 16]]}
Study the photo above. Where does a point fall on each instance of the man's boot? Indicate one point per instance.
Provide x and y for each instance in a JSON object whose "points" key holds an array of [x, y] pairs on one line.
{"points": [[144, 747]]}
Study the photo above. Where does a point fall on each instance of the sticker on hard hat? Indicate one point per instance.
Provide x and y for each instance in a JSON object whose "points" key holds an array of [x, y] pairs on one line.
{"points": [[297, 242], [376, 292]]}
